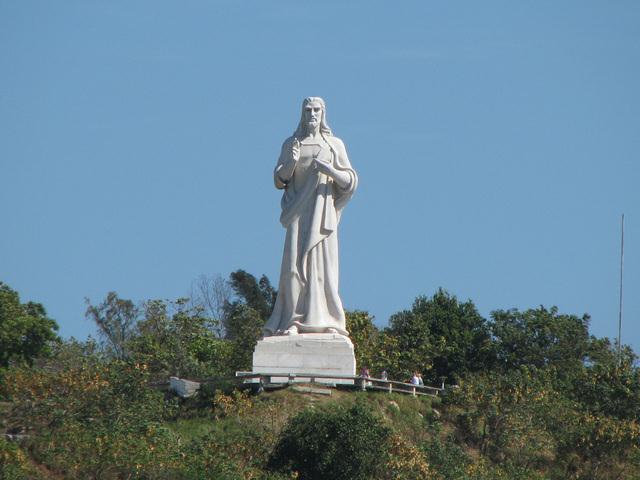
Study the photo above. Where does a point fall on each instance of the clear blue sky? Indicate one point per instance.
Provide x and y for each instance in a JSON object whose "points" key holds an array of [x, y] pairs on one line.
{"points": [[497, 144]]}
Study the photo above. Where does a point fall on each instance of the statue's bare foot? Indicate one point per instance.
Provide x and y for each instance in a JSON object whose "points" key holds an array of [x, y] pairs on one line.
{"points": [[292, 330], [332, 330]]}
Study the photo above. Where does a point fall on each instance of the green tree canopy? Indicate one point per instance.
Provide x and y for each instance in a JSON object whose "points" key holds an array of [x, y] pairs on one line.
{"points": [[246, 315], [540, 337], [257, 294], [251, 293], [116, 319], [25, 330], [365, 337], [175, 338], [608, 383], [441, 337]]}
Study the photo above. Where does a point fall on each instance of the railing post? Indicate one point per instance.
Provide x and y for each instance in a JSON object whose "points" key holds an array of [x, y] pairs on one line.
{"points": [[390, 387], [414, 391], [364, 384]]}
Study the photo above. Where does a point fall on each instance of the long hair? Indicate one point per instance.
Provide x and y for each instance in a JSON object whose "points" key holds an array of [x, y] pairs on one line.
{"points": [[301, 131]]}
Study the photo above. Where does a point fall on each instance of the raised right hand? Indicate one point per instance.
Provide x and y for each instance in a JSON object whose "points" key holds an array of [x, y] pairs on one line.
{"points": [[295, 150]]}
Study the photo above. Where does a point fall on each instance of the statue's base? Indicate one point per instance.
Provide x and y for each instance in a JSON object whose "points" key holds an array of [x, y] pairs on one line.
{"points": [[305, 354]]}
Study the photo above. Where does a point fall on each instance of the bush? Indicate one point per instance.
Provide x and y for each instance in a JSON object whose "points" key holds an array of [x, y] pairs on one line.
{"points": [[448, 459], [14, 463], [340, 444], [97, 421]]}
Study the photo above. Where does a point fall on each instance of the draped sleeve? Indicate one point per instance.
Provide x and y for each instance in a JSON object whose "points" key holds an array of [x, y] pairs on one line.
{"points": [[285, 156], [342, 196]]}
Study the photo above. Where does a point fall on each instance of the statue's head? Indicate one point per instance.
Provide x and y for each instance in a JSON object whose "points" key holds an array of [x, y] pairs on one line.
{"points": [[314, 113]]}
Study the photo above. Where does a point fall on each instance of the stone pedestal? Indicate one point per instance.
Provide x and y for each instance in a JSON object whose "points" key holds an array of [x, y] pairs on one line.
{"points": [[306, 353]]}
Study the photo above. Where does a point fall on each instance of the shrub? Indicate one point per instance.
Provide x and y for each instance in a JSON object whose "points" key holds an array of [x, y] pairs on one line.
{"points": [[338, 444], [94, 421], [14, 463], [447, 458]]}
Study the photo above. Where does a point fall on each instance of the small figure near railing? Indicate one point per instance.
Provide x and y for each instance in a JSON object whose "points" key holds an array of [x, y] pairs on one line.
{"points": [[363, 382], [187, 388], [414, 387]]}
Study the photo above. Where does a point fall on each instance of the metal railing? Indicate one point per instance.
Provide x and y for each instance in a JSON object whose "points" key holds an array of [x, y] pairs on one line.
{"points": [[363, 383]]}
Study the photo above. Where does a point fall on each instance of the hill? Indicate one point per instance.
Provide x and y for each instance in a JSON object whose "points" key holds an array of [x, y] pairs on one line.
{"points": [[531, 395], [106, 422]]}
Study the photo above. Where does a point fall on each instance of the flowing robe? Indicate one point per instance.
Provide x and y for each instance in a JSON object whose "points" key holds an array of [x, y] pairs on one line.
{"points": [[312, 204]]}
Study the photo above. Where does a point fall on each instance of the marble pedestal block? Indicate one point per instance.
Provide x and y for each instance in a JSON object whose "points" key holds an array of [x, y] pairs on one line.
{"points": [[306, 353]]}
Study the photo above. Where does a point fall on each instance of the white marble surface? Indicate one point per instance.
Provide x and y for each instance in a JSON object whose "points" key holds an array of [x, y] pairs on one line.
{"points": [[318, 181], [313, 353]]}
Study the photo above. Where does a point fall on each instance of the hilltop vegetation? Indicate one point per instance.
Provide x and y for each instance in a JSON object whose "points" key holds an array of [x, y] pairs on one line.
{"points": [[535, 397]]}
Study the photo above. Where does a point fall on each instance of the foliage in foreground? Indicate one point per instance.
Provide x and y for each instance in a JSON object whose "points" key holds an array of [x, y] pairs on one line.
{"points": [[537, 398], [103, 420], [349, 444]]}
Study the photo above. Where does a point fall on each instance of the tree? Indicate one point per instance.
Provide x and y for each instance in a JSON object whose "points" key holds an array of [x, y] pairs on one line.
{"points": [[246, 330], [245, 317], [25, 330], [443, 336], [115, 318], [365, 337], [175, 338], [211, 294], [608, 384], [540, 337], [259, 295]]}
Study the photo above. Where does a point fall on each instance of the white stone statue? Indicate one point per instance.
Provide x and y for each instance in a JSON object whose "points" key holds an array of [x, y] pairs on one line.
{"points": [[318, 181]]}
